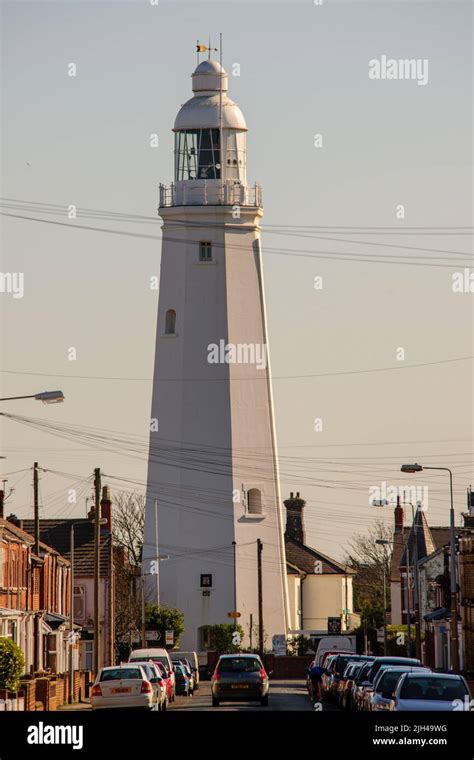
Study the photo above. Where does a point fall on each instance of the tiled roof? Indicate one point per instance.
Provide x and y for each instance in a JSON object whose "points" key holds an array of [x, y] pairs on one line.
{"points": [[419, 541], [27, 536], [58, 534], [303, 557], [439, 536]]}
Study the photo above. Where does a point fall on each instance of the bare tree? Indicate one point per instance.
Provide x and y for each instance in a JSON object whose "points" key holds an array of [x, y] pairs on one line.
{"points": [[127, 532], [369, 559], [129, 523]]}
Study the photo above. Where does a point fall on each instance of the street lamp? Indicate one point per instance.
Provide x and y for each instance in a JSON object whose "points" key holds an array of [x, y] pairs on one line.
{"points": [[411, 468], [384, 542], [47, 397], [72, 637]]}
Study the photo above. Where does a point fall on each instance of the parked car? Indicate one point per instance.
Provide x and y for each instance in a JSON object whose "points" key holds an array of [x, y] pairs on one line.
{"points": [[192, 658], [338, 666], [122, 686], [240, 677], [350, 676], [430, 691], [187, 667], [377, 664], [326, 678], [183, 681], [166, 679], [153, 674], [357, 689], [385, 684], [157, 654], [340, 685]]}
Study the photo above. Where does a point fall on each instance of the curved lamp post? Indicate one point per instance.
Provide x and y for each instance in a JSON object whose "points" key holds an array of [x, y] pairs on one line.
{"points": [[411, 468], [47, 397]]}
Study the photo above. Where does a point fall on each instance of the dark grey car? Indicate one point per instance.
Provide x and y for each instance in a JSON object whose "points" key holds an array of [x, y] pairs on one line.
{"points": [[240, 677]]}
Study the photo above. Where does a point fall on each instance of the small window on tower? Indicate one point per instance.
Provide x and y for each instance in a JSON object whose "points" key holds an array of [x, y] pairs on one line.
{"points": [[170, 322], [205, 250], [254, 501]]}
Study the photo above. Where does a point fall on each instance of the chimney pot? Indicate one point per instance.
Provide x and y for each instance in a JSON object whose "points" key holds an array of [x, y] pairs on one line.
{"points": [[106, 506], [398, 515], [294, 518]]}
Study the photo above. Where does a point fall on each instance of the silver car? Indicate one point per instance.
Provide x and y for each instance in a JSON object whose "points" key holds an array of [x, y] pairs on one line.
{"points": [[153, 674], [385, 684], [431, 691], [123, 686]]}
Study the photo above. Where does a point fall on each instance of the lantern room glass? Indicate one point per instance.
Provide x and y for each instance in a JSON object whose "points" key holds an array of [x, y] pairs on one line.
{"points": [[197, 154]]}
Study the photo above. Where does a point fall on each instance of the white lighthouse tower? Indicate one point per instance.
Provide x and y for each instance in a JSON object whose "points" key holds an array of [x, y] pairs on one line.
{"points": [[213, 464]]}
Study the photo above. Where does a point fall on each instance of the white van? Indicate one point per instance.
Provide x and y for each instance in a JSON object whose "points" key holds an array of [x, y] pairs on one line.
{"points": [[157, 654], [333, 644]]}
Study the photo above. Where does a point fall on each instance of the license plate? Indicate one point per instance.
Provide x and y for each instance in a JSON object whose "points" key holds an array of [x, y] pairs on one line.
{"points": [[239, 686], [120, 691]]}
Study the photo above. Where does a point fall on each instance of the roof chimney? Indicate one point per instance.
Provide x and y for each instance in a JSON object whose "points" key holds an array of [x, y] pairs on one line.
{"points": [[398, 514], [106, 506], [294, 518], [469, 515]]}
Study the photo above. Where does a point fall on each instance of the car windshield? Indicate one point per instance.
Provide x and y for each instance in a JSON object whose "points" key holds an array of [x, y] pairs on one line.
{"points": [[433, 688], [375, 666], [388, 681], [356, 670], [115, 674], [341, 664], [363, 672], [239, 665]]}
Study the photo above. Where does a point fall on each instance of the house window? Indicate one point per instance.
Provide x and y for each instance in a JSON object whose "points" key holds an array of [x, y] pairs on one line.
{"points": [[205, 250], [87, 655], [79, 602], [170, 322], [254, 501], [206, 581]]}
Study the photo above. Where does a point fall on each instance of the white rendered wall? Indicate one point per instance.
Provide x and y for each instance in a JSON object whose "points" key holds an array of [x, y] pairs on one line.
{"points": [[223, 411]]}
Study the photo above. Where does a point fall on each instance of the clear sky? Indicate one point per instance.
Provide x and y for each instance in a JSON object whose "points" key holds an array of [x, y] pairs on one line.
{"points": [[85, 140]]}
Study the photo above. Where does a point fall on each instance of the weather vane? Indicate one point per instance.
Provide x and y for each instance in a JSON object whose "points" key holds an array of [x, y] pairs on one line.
{"points": [[204, 49]]}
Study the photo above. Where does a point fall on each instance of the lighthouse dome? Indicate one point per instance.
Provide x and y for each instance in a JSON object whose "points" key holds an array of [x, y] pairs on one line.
{"points": [[203, 109]]}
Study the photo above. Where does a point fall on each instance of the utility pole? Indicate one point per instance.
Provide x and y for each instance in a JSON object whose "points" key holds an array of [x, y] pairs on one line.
{"points": [[71, 619], [251, 631], [384, 608], [97, 491], [143, 613], [260, 596], [234, 544], [36, 508], [157, 553], [408, 600]]}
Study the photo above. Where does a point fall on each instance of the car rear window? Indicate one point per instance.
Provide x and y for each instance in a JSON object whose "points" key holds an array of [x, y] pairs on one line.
{"points": [[117, 673], [436, 689], [239, 665]]}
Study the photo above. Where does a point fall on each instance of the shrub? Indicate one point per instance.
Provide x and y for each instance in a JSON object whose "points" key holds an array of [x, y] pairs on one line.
{"points": [[12, 664]]}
